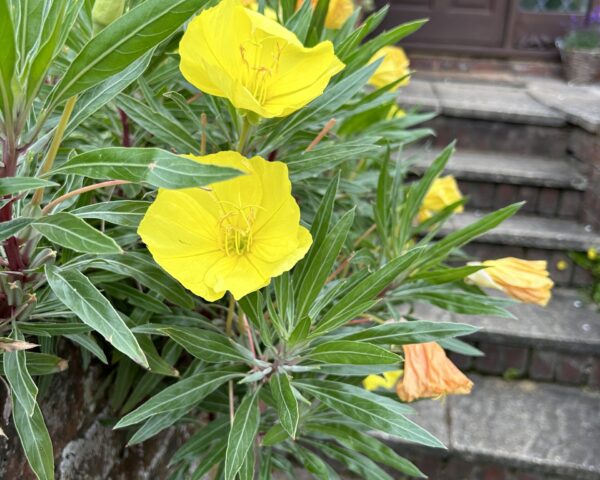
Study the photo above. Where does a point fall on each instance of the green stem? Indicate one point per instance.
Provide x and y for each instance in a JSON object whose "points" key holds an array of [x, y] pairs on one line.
{"points": [[54, 146], [229, 321], [244, 133]]}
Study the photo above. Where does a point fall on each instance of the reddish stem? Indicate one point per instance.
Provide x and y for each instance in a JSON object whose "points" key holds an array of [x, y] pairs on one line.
{"points": [[126, 141]]}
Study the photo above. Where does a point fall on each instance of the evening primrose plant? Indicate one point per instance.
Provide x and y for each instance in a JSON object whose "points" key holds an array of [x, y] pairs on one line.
{"points": [[212, 199]]}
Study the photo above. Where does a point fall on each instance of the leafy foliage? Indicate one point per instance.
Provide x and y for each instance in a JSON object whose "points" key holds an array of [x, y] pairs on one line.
{"points": [[92, 124]]}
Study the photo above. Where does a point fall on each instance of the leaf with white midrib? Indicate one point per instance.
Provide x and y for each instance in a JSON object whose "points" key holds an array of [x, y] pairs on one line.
{"points": [[22, 385], [350, 401], [421, 331], [242, 434], [73, 289], [131, 264], [118, 38], [287, 405], [72, 232], [35, 440], [179, 395], [350, 352]]}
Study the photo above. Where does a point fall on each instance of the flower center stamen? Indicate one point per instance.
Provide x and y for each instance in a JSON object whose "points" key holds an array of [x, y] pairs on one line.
{"points": [[236, 229], [255, 74]]}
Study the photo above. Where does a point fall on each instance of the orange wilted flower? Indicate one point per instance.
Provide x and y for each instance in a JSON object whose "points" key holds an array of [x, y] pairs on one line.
{"points": [[524, 280], [428, 372]]}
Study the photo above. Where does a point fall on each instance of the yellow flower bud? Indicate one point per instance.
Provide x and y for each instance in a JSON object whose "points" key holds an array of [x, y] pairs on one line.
{"points": [[592, 253], [106, 11]]}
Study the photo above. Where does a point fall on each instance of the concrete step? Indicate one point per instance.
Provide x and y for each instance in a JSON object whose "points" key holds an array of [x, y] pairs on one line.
{"points": [[551, 187], [480, 101], [531, 231], [488, 117], [533, 238], [559, 343], [495, 167], [511, 431]]}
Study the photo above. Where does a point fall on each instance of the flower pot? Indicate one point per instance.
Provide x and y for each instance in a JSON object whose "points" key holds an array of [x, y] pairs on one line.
{"points": [[581, 65]]}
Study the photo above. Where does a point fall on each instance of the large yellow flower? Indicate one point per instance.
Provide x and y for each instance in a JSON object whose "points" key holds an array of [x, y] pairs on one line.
{"points": [[442, 193], [524, 280], [337, 13], [234, 237], [393, 67], [428, 372], [260, 66]]}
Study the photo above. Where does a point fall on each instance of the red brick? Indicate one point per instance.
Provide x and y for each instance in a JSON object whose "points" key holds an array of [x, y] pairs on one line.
{"points": [[594, 376], [570, 203], [572, 369], [505, 195], [493, 473], [493, 361], [548, 201], [543, 365], [481, 195], [515, 359], [463, 362], [530, 196]]}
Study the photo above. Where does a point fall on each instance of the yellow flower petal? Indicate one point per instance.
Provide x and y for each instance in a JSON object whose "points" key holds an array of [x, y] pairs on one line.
{"points": [[387, 380], [444, 191], [393, 67], [524, 280], [235, 237], [260, 66]]}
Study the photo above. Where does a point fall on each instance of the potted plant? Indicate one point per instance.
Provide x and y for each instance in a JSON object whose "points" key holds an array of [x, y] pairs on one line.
{"points": [[580, 48]]}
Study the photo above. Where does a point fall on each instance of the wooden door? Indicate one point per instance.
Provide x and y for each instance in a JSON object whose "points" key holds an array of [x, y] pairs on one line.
{"points": [[453, 23]]}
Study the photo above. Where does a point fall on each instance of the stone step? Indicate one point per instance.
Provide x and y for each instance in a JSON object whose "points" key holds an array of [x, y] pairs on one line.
{"points": [[533, 238], [511, 430], [551, 187], [558, 343], [531, 231], [495, 167], [480, 101]]}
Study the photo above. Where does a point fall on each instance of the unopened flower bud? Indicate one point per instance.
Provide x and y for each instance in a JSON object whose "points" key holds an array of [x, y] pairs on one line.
{"points": [[105, 12]]}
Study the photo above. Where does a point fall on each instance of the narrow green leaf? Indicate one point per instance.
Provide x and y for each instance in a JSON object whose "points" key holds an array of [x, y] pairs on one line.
{"points": [[127, 213], [208, 346], [23, 387], [320, 262], [93, 100], [71, 232], [73, 289], [35, 440], [368, 445], [403, 333], [287, 405], [168, 131], [122, 42], [242, 434], [8, 58], [374, 411], [143, 269], [183, 394], [146, 165], [352, 353], [367, 289], [12, 185], [41, 363], [14, 226]]}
